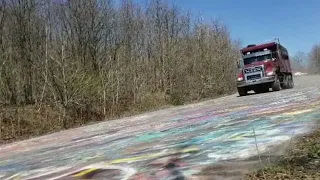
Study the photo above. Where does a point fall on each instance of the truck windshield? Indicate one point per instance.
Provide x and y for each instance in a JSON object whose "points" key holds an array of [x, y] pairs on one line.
{"points": [[256, 58]]}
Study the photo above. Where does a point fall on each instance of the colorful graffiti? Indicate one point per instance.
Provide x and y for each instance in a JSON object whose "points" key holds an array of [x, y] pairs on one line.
{"points": [[176, 142]]}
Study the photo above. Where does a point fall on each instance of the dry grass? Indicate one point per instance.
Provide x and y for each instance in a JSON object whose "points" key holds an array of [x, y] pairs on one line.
{"points": [[300, 162], [22, 122]]}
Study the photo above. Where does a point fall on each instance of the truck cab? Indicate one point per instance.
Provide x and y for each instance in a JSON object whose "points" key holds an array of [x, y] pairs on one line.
{"points": [[263, 67]]}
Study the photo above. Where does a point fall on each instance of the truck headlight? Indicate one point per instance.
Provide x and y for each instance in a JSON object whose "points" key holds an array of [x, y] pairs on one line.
{"points": [[270, 73], [240, 78]]}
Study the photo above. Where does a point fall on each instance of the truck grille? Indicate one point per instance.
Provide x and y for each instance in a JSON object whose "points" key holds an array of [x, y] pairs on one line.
{"points": [[254, 77], [253, 70]]}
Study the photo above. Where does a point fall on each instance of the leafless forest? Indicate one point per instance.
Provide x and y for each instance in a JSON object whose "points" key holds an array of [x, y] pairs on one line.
{"points": [[307, 62], [315, 59], [67, 63]]}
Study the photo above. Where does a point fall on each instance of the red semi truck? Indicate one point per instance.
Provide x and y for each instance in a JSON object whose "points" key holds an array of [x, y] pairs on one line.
{"points": [[264, 66]]}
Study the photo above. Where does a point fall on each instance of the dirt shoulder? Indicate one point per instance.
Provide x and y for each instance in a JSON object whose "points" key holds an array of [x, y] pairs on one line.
{"points": [[302, 161], [297, 159]]}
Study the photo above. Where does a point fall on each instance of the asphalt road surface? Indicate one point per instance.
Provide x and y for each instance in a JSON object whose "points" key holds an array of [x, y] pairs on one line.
{"points": [[173, 142]]}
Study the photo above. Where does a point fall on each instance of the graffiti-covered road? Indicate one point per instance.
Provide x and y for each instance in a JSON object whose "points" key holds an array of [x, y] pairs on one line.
{"points": [[191, 137]]}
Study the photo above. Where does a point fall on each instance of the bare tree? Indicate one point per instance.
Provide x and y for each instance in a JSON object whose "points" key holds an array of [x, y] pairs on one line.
{"points": [[315, 59], [90, 60], [298, 61]]}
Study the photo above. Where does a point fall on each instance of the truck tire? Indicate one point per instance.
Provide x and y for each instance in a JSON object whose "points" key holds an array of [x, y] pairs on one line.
{"points": [[290, 82], [285, 83], [276, 86], [242, 91]]}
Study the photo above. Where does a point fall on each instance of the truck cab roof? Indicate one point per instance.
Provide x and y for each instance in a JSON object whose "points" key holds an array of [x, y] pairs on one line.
{"points": [[260, 47]]}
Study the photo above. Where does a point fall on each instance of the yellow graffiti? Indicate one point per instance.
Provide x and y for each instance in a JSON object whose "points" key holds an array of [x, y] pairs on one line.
{"points": [[133, 159], [118, 161], [189, 150], [298, 112], [83, 173], [148, 156], [237, 137]]}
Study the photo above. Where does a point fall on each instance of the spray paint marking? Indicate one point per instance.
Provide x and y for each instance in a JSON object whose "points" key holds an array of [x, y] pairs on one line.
{"points": [[298, 112], [85, 172], [214, 133]]}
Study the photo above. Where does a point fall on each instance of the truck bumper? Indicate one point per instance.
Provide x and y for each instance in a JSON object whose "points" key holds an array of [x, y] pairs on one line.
{"points": [[263, 80]]}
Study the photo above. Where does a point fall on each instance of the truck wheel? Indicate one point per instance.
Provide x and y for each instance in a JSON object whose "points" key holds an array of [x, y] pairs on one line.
{"points": [[276, 86], [285, 84], [242, 91], [290, 82]]}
